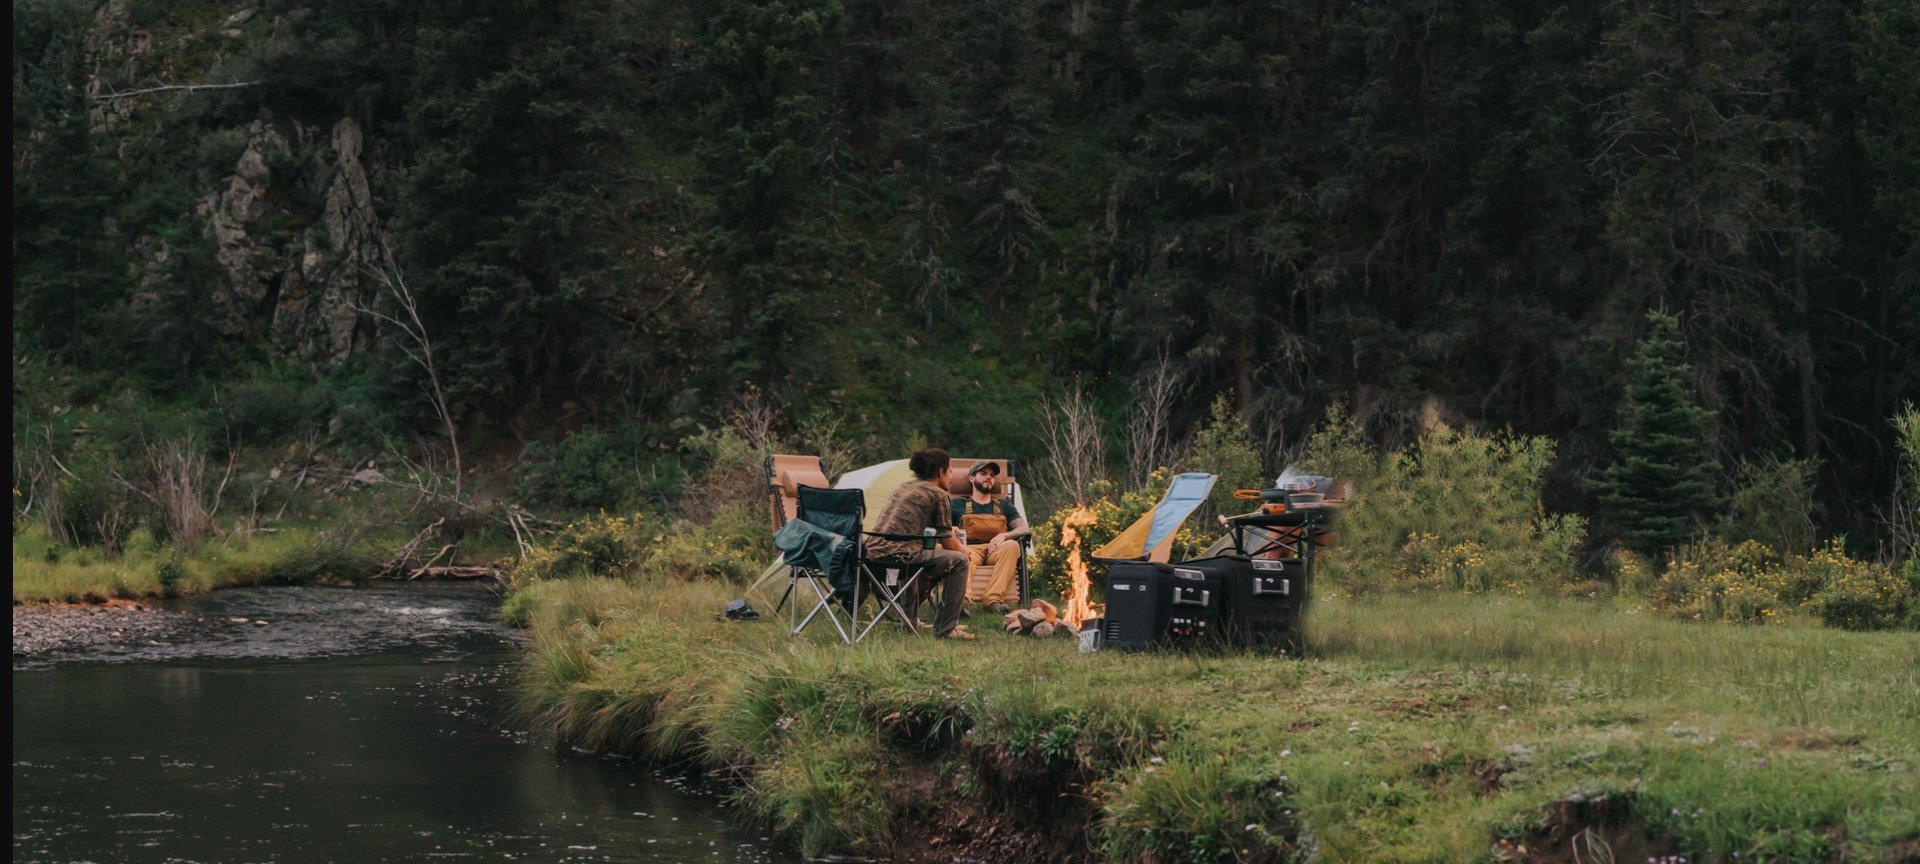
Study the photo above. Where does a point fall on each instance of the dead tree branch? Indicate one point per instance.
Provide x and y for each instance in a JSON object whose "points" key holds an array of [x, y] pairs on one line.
{"points": [[171, 88], [420, 352]]}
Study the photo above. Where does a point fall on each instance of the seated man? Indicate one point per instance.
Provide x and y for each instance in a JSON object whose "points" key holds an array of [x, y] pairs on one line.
{"points": [[912, 508], [993, 529]]}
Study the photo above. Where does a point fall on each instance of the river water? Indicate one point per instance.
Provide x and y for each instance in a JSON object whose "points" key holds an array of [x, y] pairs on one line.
{"points": [[327, 725]]}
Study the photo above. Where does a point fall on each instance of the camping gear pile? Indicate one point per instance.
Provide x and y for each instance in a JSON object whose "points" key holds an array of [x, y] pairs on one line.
{"points": [[1249, 590]]}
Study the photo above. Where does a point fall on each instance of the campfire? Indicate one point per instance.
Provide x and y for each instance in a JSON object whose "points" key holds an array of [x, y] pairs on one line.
{"points": [[1045, 619]]}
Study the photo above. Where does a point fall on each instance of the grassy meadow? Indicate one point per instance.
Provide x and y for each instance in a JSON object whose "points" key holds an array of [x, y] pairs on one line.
{"points": [[1419, 728]]}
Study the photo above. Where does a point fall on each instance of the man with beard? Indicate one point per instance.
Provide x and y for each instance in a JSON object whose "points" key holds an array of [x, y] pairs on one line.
{"points": [[994, 528]]}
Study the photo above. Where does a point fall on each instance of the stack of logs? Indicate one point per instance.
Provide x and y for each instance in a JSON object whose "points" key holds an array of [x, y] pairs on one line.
{"points": [[1041, 619]]}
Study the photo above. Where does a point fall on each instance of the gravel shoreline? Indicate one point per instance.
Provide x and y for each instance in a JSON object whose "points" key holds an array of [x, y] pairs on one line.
{"points": [[54, 628]]}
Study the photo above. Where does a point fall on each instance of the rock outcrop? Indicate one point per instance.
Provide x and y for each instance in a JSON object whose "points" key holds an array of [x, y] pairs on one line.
{"points": [[296, 241], [307, 288]]}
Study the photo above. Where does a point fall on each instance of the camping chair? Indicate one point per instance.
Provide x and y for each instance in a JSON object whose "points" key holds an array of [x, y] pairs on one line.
{"points": [[1150, 538], [785, 476], [891, 582], [959, 486], [824, 552], [821, 545]]}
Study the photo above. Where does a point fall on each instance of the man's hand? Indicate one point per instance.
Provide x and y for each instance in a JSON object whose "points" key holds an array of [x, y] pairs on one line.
{"points": [[998, 539]]}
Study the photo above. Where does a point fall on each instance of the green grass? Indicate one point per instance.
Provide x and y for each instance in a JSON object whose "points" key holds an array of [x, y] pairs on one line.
{"points": [[1418, 730], [44, 571]]}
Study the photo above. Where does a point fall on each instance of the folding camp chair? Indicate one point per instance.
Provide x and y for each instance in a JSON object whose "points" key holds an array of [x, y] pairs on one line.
{"points": [[1150, 538], [822, 553], [959, 486], [888, 582], [891, 582], [826, 555], [785, 476]]}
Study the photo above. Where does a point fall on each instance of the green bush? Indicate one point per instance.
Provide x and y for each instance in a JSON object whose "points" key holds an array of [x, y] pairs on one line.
{"points": [[1457, 510], [593, 470], [1223, 447], [605, 546], [1862, 595], [1773, 503], [268, 410], [1751, 583], [1710, 581], [735, 545]]}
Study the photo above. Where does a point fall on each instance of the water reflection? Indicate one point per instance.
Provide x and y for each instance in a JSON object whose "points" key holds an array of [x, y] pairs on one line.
{"points": [[391, 755]]}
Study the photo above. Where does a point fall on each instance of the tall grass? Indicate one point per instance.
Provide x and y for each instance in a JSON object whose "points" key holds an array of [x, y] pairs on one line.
{"points": [[1419, 729], [44, 570]]}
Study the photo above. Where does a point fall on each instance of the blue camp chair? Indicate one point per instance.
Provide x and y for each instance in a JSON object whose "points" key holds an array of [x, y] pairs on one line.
{"points": [[1150, 538]]}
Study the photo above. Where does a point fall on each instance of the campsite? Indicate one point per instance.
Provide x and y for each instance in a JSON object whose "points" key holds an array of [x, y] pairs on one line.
{"points": [[966, 432]]}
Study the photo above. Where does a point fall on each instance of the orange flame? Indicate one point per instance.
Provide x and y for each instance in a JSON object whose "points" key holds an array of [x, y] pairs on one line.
{"points": [[1078, 608]]}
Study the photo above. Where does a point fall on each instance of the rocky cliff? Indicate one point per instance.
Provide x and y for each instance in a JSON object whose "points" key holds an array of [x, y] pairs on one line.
{"points": [[298, 241]]}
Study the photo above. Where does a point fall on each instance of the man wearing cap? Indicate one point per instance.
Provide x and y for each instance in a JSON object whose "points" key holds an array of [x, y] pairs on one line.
{"points": [[994, 528]]}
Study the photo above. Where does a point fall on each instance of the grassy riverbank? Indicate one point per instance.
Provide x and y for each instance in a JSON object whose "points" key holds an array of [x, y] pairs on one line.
{"points": [[1429, 728], [47, 572]]}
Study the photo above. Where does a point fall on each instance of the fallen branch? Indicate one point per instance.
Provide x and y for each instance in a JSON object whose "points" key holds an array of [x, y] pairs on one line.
{"points": [[402, 559], [172, 88], [472, 571]]}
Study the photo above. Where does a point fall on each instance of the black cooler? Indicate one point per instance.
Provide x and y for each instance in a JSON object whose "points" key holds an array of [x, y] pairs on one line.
{"points": [[1160, 605], [1261, 600]]}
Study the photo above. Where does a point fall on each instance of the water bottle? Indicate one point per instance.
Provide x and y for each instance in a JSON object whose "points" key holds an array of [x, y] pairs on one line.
{"points": [[926, 538]]}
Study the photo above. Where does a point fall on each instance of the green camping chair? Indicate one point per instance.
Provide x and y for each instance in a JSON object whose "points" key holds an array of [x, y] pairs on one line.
{"points": [[821, 547]]}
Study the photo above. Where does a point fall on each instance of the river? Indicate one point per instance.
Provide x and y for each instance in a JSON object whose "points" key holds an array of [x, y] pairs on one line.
{"points": [[327, 725]]}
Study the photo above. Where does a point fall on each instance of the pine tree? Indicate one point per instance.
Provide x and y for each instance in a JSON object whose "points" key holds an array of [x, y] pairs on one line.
{"points": [[1660, 482]]}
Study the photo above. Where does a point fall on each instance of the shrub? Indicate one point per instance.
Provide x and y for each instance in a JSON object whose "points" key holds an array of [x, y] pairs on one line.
{"points": [[1709, 581], [1773, 504], [268, 409], [1862, 595], [1752, 583], [606, 546], [1224, 446], [1112, 513], [734, 546], [1458, 510], [589, 470], [732, 471]]}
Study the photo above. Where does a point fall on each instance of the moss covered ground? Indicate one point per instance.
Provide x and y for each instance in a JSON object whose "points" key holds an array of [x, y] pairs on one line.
{"points": [[1437, 727]]}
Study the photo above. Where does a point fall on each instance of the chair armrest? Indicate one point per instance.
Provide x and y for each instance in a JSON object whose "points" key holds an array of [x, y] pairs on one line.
{"points": [[907, 536]]}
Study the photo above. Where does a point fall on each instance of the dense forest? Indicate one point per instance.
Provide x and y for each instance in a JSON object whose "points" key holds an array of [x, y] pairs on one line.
{"points": [[906, 221]]}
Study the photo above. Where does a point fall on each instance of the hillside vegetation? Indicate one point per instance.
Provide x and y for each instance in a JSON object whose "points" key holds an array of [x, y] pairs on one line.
{"points": [[895, 222]]}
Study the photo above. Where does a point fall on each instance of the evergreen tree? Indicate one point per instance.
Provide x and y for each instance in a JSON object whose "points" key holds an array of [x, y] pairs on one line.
{"points": [[1661, 481]]}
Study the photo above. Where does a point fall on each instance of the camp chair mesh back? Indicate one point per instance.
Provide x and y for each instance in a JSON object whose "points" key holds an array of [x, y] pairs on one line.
{"points": [[836, 510]]}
